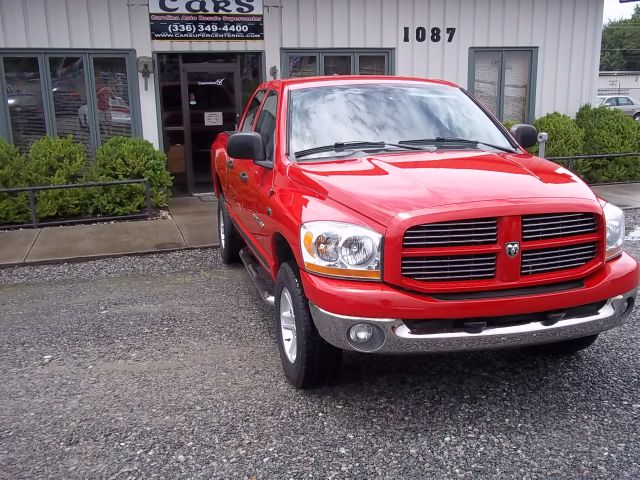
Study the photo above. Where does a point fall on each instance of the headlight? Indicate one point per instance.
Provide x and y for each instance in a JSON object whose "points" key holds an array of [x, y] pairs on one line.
{"points": [[614, 217], [341, 250]]}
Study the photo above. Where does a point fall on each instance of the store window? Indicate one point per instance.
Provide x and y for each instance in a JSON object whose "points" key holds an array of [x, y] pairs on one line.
{"points": [[503, 80], [68, 92], [24, 100], [309, 63]]}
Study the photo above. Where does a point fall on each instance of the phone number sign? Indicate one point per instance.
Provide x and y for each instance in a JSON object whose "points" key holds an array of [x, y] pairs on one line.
{"points": [[208, 20]]}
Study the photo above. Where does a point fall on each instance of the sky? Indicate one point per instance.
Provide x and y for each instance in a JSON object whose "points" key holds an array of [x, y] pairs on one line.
{"points": [[614, 10]]}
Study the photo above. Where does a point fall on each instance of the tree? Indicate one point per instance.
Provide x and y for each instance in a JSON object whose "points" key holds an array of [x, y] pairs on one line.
{"points": [[621, 44]]}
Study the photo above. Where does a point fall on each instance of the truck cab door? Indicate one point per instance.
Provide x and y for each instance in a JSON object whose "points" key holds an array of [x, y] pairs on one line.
{"points": [[257, 196], [237, 168]]}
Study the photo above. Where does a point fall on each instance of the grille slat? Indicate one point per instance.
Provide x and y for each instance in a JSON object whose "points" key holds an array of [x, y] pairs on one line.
{"points": [[583, 259], [482, 231], [534, 254], [557, 258], [537, 227], [455, 267]]}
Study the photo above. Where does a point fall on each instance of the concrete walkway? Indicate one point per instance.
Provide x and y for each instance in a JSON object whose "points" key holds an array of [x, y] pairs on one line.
{"points": [[193, 225], [624, 195]]}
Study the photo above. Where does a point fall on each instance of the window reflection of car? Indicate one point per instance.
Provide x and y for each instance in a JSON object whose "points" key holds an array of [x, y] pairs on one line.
{"points": [[626, 104], [66, 101], [120, 113], [23, 102]]}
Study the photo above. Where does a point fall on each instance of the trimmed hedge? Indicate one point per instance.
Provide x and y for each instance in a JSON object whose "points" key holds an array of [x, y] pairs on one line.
{"points": [[594, 131], [608, 131], [123, 158], [60, 161], [14, 208], [565, 137]]}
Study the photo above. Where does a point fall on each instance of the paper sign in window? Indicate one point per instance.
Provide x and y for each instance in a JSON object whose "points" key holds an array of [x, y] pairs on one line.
{"points": [[212, 119]]}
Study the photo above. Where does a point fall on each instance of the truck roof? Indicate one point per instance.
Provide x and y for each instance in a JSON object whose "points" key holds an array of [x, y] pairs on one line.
{"points": [[346, 79]]}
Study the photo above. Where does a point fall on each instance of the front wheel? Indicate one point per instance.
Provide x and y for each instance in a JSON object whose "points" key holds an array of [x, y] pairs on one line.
{"points": [[637, 117], [230, 242], [570, 347], [307, 359]]}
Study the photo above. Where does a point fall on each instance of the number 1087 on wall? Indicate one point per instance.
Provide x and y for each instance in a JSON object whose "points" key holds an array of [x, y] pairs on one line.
{"points": [[436, 36]]}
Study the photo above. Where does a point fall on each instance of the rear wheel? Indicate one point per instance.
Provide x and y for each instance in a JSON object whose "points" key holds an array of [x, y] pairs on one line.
{"points": [[230, 242], [307, 360], [637, 116], [570, 347]]}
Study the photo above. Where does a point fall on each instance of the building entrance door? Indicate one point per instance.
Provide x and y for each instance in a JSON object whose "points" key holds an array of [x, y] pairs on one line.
{"points": [[211, 103]]}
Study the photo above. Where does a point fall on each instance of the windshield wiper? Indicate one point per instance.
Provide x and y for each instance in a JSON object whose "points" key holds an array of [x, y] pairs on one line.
{"points": [[360, 145], [426, 141]]}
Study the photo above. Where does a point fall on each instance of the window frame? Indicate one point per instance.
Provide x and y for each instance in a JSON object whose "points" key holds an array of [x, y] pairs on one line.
{"points": [[268, 93], [321, 53], [533, 75], [241, 125], [88, 55]]}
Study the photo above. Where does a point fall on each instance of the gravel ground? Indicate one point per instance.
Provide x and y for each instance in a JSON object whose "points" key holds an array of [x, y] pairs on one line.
{"points": [[165, 366]]}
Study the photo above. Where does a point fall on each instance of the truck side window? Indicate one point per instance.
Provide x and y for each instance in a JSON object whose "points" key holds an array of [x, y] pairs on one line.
{"points": [[266, 124], [251, 112]]}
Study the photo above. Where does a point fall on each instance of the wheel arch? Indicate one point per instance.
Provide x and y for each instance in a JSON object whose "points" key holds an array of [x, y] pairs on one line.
{"points": [[282, 252]]}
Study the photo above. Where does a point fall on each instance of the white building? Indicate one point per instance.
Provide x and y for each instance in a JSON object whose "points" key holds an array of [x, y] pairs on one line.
{"points": [[71, 66], [619, 83]]}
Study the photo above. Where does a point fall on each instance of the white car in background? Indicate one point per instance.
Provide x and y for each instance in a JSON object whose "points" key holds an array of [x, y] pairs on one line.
{"points": [[628, 105], [120, 114]]}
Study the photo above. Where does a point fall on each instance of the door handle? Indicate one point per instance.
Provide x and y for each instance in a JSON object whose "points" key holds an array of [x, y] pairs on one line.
{"points": [[244, 177], [229, 163]]}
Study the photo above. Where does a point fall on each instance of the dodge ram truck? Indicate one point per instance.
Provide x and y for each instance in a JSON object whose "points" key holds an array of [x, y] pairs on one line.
{"points": [[397, 215]]}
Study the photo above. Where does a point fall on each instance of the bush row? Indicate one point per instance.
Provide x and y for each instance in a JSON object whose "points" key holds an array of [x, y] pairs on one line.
{"points": [[60, 161], [594, 131]]}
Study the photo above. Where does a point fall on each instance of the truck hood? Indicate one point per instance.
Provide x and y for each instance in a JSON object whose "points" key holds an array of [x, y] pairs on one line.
{"points": [[380, 187]]}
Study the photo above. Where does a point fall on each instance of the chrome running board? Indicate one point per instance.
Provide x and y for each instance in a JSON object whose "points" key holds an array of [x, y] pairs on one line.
{"points": [[260, 279]]}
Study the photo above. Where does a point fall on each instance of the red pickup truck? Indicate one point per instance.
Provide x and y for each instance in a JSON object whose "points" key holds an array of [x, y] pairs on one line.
{"points": [[389, 214]]}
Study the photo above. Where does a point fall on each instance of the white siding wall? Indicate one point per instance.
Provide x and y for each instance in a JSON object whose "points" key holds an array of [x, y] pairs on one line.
{"points": [[567, 33], [624, 83]]}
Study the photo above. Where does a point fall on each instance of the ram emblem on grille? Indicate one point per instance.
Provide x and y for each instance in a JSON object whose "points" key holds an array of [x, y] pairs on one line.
{"points": [[513, 248]]}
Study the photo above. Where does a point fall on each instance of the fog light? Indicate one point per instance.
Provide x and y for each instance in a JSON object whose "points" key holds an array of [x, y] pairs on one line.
{"points": [[361, 333]]}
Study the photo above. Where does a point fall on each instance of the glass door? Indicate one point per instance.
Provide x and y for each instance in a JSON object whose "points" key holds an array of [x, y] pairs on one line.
{"points": [[211, 102]]}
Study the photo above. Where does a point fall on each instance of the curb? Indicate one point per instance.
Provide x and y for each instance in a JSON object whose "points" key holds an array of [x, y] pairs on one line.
{"points": [[90, 258]]}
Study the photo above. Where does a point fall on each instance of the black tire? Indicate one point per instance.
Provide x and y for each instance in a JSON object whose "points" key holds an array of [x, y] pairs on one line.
{"points": [[570, 347], [230, 241], [637, 117], [316, 362]]}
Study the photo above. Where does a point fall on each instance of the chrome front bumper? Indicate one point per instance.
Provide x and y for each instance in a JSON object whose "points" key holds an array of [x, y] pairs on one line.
{"points": [[397, 338]]}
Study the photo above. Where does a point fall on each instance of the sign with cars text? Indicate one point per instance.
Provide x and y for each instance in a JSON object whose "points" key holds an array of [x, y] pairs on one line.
{"points": [[207, 20]]}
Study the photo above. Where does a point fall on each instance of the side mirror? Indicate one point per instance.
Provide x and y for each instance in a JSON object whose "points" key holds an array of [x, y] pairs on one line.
{"points": [[525, 135], [247, 145]]}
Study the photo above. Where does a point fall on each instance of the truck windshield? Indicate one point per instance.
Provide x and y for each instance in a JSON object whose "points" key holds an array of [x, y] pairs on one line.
{"points": [[389, 113]]}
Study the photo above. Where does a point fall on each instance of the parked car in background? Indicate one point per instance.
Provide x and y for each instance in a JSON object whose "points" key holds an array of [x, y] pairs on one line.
{"points": [[396, 215], [120, 114], [66, 100], [628, 105]]}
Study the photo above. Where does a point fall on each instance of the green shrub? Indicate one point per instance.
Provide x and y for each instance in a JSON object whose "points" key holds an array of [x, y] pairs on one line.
{"points": [[124, 158], [582, 112], [608, 131], [508, 124], [14, 208], [565, 137], [58, 161]]}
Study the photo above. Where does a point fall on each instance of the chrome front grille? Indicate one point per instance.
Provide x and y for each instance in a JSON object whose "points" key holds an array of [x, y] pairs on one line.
{"points": [[448, 268], [540, 227], [546, 260], [482, 231]]}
